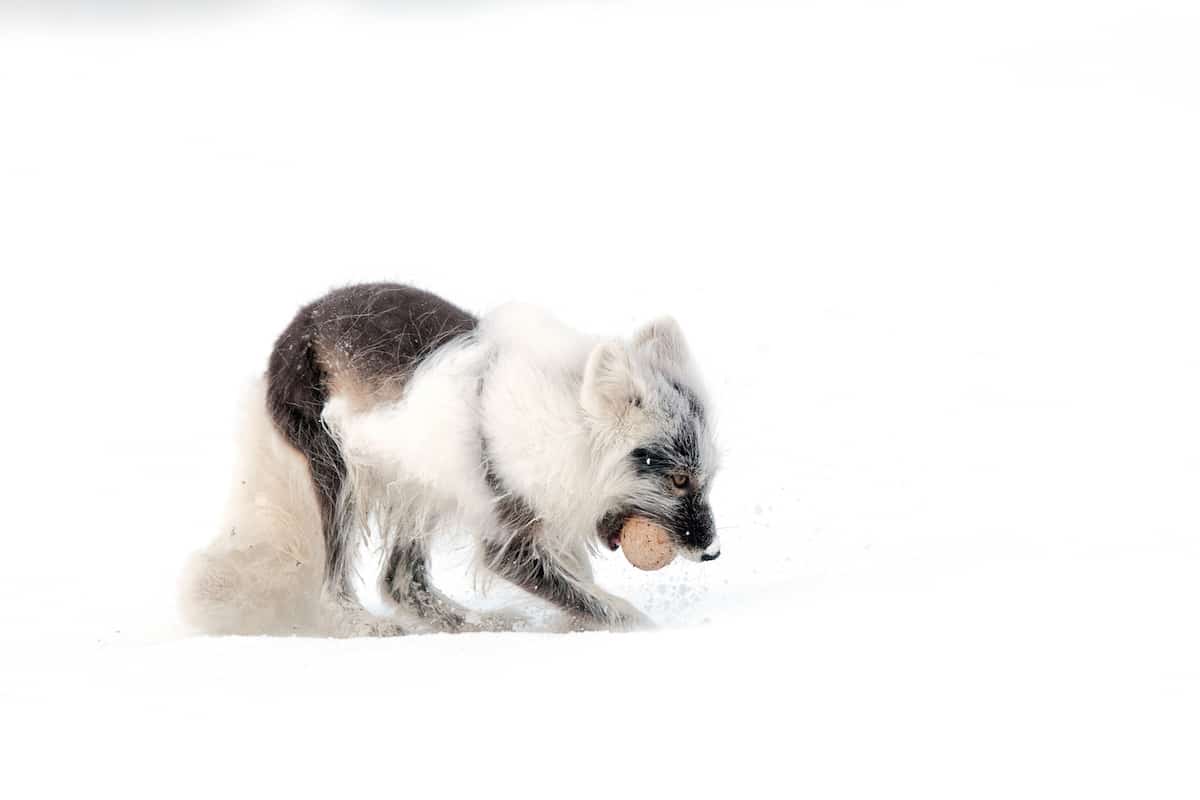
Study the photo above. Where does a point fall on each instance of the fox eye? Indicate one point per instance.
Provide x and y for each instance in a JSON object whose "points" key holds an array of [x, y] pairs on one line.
{"points": [[681, 481]]}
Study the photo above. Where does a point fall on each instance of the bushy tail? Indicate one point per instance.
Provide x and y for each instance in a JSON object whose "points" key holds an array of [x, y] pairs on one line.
{"points": [[263, 573]]}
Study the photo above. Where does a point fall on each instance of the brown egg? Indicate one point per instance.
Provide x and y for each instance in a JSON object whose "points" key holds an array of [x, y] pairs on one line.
{"points": [[646, 545]]}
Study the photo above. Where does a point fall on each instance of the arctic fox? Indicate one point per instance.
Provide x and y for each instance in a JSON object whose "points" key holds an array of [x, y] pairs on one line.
{"points": [[384, 405]]}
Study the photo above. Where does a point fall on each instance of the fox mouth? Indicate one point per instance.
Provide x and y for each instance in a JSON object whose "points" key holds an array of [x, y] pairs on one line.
{"points": [[609, 528]]}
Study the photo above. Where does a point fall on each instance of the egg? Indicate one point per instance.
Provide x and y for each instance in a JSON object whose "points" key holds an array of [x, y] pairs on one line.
{"points": [[646, 545]]}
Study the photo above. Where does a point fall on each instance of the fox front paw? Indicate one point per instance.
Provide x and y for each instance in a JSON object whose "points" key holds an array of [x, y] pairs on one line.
{"points": [[616, 614]]}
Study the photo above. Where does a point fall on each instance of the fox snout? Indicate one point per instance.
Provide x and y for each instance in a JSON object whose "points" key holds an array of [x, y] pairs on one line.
{"points": [[696, 531]]}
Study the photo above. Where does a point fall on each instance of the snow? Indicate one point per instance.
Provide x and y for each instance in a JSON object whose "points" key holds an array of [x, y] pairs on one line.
{"points": [[939, 263]]}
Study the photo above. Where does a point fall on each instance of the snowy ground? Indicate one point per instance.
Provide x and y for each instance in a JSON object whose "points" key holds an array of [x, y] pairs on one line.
{"points": [[938, 259]]}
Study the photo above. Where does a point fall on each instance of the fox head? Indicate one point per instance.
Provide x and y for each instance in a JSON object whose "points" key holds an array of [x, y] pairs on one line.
{"points": [[645, 405]]}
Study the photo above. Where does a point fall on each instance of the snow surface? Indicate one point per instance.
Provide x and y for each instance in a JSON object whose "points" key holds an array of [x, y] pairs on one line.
{"points": [[939, 261]]}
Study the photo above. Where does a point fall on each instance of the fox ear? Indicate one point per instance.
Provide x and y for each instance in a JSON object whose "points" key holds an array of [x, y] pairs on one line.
{"points": [[609, 386], [663, 340]]}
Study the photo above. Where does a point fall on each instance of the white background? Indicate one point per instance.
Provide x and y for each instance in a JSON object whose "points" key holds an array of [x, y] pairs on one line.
{"points": [[938, 261]]}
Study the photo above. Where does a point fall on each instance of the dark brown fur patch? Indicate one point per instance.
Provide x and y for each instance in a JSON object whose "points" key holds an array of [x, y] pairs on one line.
{"points": [[367, 340]]}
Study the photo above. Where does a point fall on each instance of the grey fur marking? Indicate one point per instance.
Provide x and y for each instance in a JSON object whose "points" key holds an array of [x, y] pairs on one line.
{"points": [[373, 335]]}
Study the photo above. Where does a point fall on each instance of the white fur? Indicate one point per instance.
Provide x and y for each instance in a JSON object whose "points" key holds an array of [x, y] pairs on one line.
{"points": [[263, 572], [556, 413]]}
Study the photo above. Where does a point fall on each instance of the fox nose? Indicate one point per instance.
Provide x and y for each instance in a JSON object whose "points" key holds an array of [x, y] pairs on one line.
{"points": [[712, 551]]}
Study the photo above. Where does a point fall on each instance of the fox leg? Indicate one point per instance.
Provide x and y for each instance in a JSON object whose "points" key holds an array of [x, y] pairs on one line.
{"points": [[406, 581], [563, 580]]}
